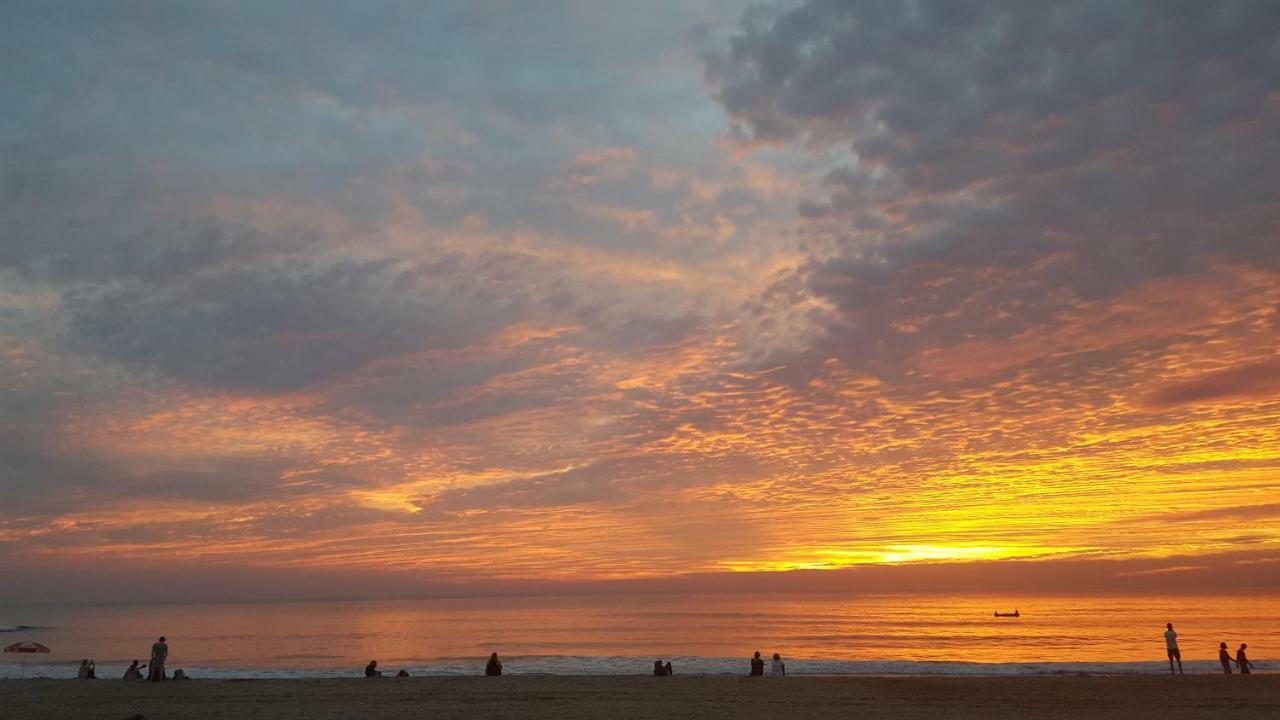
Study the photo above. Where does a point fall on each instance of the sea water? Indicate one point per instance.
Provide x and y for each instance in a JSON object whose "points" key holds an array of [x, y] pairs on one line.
{"points": [[700, 634]]}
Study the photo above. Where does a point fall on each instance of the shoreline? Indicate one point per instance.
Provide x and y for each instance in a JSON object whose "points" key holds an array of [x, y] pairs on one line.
{"points": [[535, 697]]}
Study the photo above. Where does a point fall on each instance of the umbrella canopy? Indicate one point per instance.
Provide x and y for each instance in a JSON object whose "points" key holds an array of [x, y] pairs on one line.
{"points": [[26, 647]]}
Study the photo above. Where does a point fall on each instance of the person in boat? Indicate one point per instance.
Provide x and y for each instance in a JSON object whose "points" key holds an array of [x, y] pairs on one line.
{"points": [[493, 668], [1171, 645], [777, 668], [757, 665], [1224, 657], [371, 670], [134, 672], [1243, 661], [660, 669]]}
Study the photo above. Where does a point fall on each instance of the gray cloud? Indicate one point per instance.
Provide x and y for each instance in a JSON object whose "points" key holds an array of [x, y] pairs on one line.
{"points": [[1012, 160], [1256, 381]]}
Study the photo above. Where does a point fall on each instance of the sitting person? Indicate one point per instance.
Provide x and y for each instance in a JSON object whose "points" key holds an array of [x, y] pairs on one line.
{"points": [[403, 673], [660, 670], [493, 668], [371, 670], [777, 667], [180, 675], [757, 665], [134, 672], [84, 673]]}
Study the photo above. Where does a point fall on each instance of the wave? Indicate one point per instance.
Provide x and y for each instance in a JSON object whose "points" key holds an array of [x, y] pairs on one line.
{"points": [[22, 628], [633, 666]]}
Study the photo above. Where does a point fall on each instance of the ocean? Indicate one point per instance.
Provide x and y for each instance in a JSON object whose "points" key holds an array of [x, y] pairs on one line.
{"points": [[702, 634]]}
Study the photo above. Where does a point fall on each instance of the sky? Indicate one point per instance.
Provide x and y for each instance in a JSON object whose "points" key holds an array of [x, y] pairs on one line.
{"points": [[330, 298]]}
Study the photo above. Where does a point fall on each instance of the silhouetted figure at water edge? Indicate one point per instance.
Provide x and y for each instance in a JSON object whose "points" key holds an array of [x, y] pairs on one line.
{"points": [[1243, 661], [660, 670], [159, 653], [1224, 657], [757, 665], [493, 668], [777, 667], [371, 670], [1171, 644], [134, 672], [88, 671], [403, 673]]}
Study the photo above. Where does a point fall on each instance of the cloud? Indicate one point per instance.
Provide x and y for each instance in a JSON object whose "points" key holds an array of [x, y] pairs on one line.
{"points": [[1256, 381], [998, 166]]}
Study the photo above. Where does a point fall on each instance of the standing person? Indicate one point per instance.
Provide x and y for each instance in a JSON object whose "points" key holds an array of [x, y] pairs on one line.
{"points": [[493, 668], [757, 665], [1171, 644], [777, 667], [159, 653], [1243, 661], [1224, 657]]}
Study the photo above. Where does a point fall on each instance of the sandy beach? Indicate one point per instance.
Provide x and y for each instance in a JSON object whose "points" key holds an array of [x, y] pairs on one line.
{"points": [[536, 697]]}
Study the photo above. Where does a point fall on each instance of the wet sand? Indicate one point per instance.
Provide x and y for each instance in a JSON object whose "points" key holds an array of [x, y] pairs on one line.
{"points": [[536, 697]]}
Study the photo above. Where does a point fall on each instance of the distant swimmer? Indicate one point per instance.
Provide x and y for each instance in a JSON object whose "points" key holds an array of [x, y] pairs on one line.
{"points": [[1224, 657], [1243, 661], [1171, 644]]}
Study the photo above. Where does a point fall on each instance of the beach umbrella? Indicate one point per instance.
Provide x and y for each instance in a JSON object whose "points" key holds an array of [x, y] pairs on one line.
{"points": [[26, 647]]}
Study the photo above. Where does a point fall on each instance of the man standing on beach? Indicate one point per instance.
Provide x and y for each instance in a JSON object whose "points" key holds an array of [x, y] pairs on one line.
{"points": [[1171, 643], [159, 653]]}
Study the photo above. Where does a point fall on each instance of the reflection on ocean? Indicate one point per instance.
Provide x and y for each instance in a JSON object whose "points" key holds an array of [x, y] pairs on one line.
{"points": [[610, 634]]}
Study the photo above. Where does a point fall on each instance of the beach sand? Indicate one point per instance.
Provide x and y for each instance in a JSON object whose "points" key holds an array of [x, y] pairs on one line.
{"points": [[614, 698]]}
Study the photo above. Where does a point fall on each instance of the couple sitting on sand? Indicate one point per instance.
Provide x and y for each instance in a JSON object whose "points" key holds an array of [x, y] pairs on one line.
{"points": [[662, 670], [371, 670], [776, 666]]}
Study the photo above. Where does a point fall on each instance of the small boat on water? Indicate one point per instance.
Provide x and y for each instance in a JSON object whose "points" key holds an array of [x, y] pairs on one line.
{"points": [[1015, 613]]}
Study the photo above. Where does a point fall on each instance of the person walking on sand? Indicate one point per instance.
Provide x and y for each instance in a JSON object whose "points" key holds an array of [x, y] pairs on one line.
{"points": [[1243, 661], [777, 668], [757, 665], [493, 668], [159, 653], [1224, 657], [1171, 644]]}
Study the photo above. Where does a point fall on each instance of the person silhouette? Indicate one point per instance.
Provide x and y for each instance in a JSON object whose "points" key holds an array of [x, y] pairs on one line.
{"points": [[493, 667], [371, 670], [757, 665], [777, 667], [1171, 644], [1224, 657], [1243, 660], [134, 672], [661, 670], [159, 654]]}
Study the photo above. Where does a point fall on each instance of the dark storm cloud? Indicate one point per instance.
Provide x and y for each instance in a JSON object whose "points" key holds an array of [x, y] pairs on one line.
{"points": [[1010, 160]]}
